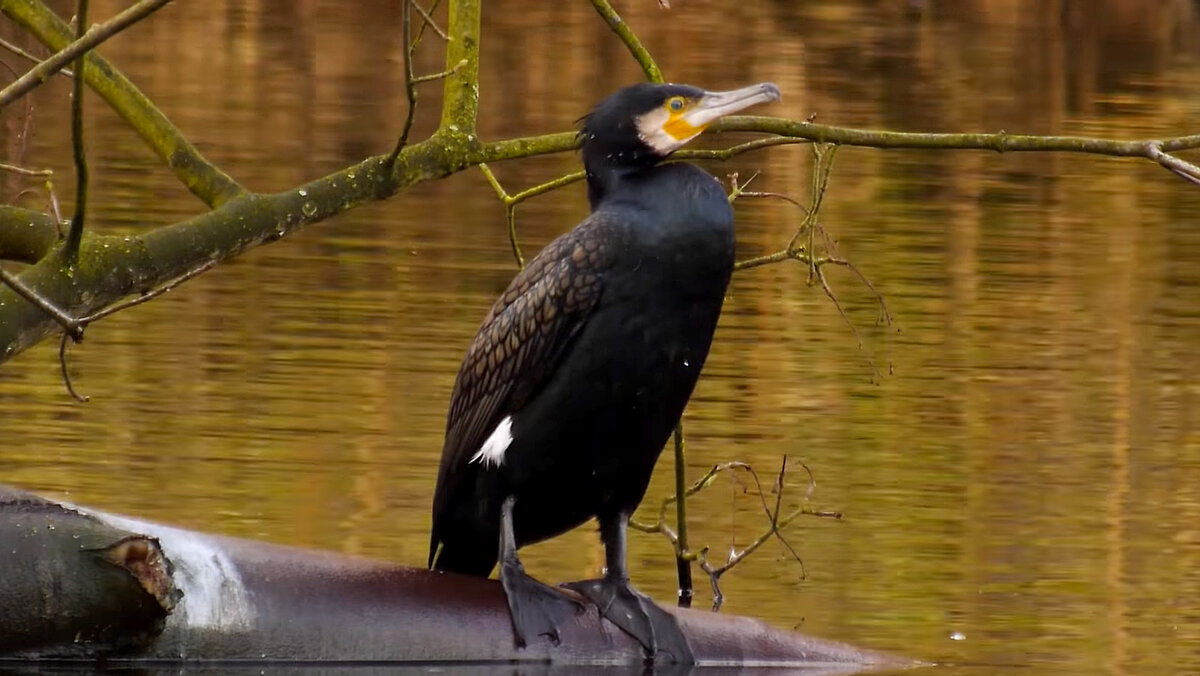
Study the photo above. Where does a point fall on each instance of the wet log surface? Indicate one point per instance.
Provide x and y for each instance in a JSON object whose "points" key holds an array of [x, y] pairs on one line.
{"points": [[78, 586]]}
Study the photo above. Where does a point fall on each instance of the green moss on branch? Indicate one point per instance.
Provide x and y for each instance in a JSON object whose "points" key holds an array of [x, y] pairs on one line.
{"points": [[26, 235], [460, 108], [109, 268]]}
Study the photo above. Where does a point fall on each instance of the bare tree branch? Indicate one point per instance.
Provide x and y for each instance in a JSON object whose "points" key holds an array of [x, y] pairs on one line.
{"points": [[82, 44], [460, 101], [30, 57], [22, 171], [68, 323], [776, 522], [511, 202], [26, 235], [200, 176], [410, 88], [427, 22], [639, 52], [75, 234]]}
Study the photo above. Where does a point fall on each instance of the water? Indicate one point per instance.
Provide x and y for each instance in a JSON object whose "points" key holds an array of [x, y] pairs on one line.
{"points": [[1020, 484]]}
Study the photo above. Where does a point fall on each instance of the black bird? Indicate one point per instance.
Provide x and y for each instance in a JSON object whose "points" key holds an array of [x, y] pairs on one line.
{"points": [[582, 368]]}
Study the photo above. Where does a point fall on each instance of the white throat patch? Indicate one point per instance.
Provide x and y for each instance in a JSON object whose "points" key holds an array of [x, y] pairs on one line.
{"points": [[650, 131], [491, 453]]}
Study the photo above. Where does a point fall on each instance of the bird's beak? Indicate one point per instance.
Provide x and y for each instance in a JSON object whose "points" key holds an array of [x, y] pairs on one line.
{"points": [[712, 106], [715, 105]]}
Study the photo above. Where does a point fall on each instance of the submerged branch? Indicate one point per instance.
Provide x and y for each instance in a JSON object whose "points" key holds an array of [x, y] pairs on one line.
{"points": [[683, 566], [776, 522], [774, 531]]}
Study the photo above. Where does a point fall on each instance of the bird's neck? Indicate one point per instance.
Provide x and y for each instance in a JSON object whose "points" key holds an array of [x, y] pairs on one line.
{"points": [[605, 179]]}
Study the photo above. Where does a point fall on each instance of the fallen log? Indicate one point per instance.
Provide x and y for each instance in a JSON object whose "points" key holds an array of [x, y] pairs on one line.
{"points": [[80, 584]]}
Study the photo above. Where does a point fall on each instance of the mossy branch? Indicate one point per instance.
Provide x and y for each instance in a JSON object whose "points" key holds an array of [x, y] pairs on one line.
{"points": [[460, 107], [26, 235], [639, 52], [110, 268], [1156, 150], [511, 202], [201, 177], [790, 132]]}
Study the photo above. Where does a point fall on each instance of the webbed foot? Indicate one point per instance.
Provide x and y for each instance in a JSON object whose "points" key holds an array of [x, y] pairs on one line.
{"points": [[656, 629], [536, 609]]}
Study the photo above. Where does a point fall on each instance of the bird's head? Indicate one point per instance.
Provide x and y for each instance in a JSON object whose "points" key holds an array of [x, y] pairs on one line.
{"points": [[642, 124]]}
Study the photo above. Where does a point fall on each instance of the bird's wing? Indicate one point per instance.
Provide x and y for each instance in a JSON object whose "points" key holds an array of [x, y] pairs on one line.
{"points": [[523, 337]]}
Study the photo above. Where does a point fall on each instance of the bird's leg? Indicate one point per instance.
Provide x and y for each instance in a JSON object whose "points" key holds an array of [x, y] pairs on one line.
{"points": [[536, 609], [636, 614]]}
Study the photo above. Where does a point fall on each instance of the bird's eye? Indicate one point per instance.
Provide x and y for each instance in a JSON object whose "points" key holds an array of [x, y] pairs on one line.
{"points": [[675, 104]]}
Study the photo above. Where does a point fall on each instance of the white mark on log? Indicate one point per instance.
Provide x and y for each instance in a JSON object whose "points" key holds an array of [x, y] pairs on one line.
{"points": [[214, 596]]}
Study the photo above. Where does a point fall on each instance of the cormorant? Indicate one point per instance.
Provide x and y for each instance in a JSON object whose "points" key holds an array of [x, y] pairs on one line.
{"points": [[582, 368]]}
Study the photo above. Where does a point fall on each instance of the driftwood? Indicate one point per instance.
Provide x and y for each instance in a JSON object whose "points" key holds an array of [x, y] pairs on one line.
{"points": [[82, 585]]}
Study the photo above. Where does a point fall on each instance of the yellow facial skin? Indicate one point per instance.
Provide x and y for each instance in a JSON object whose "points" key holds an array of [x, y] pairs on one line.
{"points": [[680, 119], [677, 125]]}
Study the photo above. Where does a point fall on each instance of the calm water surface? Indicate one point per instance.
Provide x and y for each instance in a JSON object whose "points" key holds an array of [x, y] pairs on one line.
{"points": [[1020, 482]]}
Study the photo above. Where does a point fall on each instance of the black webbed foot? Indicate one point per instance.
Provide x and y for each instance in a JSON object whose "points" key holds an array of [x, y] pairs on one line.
{"points": [[536, 609], [637, 615]]}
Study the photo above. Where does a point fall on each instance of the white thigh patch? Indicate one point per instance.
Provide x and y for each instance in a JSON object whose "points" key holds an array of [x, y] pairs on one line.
{"points": [[491, 453]]}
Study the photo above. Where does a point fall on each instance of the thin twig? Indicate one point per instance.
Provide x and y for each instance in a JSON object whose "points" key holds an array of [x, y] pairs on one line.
{"points": [[566, 179], [84, 42], [410, 88], [683, 567], [55, 207], [69, 324], [200, 176], [1181, 168], [22, 171], [511, 201], [443, 74], [66, 374], [18, 154], [75, 233], [153, 293], [30, 57], [807, 254], [86, 321], [777, 524], [639, 52], [724, 154], [427, 21]]}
